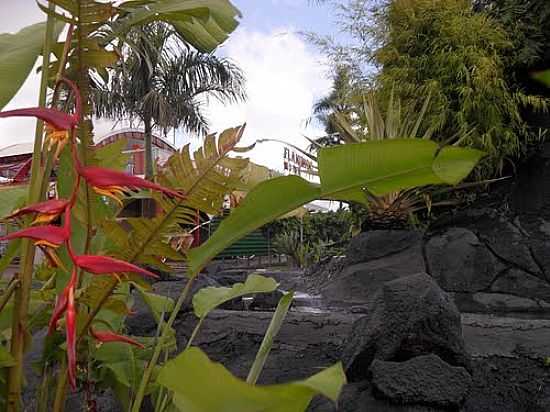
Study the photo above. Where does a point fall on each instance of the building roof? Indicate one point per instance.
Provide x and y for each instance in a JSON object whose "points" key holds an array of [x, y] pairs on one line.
{"points": [[134, 134], [17, 149]]}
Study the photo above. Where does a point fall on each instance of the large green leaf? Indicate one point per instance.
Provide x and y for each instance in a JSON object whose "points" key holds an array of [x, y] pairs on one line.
{"points": [[18, 53], [12, 197], [158, 304], [209, 298], [200, 385], [391, 165], [205, 24], [266, 202], [381, 166]]}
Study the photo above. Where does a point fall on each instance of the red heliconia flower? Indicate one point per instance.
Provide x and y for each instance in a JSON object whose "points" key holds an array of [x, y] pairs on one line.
{"points": [[47, 238], [113, 184], [61, 304], [49, 235], [56, 119], [107, 336], [104, 265], [70, 324], [45, 211], [59, 310]]}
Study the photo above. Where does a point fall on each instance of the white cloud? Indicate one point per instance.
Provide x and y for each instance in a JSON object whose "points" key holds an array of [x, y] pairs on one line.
{"points": [[284, 78]]}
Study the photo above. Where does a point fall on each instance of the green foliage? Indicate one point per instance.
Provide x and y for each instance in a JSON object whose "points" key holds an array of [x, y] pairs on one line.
{"points": [[205, 24], [18, 53], [160, 82], [207, 299], [194, 392], [272, 331], [6, 360], [157, 304], [382, 166], [427, 49], [323, 228], [528, 27], [205, 177], [303, 254]]}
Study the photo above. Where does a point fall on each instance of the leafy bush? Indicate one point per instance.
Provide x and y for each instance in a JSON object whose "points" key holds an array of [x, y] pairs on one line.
{"points": [[427, 48]]}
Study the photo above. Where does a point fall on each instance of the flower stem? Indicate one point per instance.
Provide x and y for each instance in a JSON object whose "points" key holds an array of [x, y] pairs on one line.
{"points": [[61, 389], [22, 294], [5, 298]]}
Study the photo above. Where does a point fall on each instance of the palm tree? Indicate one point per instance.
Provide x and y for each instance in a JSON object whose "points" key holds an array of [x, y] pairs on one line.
{"points": [[338, 103], [162, 83]]}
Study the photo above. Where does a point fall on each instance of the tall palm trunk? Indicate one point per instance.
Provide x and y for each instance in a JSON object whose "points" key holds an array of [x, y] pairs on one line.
{"points": [[148, 146]]}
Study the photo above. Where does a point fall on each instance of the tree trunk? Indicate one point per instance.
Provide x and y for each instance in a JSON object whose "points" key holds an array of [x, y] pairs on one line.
{"points": [[148, 205], [148, 147]]}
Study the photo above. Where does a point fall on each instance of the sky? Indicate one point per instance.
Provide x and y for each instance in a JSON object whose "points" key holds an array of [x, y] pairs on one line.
{"points": [[285, 75]]}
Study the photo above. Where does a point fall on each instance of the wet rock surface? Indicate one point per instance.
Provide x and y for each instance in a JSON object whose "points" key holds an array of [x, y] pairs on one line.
{"points": [[460, 262], [373, 259], [408, 317], [421, 380]]}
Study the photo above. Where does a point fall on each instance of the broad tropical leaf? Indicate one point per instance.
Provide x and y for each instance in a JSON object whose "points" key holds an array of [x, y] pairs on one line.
{"points": [[209, 298], [380, 166], [191, 375], [158, 304], [205, 24], [18, 53], [268, 201], [391, 165]]}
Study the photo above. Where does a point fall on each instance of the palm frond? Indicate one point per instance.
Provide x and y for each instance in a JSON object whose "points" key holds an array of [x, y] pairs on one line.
{"points": [[206, 177]]}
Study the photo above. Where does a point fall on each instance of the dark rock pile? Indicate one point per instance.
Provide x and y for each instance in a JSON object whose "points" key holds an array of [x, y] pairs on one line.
{"points": [[410, 345], [489, 263]]}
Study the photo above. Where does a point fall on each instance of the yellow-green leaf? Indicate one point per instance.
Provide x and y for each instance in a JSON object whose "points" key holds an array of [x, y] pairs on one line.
{"points": [[200, 385], [266, 202], [209, 298], [18, 53], [158, 304], [205, 24]]}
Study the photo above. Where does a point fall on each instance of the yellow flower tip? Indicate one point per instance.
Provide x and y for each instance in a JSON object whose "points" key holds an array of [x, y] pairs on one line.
{"points": [[45, 243], [56, 137], [113, 192], [44, 218], [53, 259]]}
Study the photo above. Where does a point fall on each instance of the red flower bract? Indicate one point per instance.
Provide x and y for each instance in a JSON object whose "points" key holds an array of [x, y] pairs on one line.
{"points": [[107, 336], [56, 119], [49, 235], [107, 179], [60, 307], [53, 208], [103, 265], [70, 320]]}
